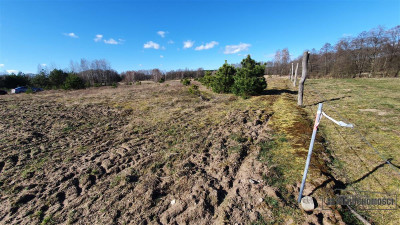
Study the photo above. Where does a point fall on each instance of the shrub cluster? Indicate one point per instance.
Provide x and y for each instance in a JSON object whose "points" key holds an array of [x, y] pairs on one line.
{"points": [[73, 82], [185, 81], [245, 81], [194, 90]]}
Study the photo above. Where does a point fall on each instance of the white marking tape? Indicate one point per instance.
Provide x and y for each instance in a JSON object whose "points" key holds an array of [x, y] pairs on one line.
{"points": [[340, 123]]}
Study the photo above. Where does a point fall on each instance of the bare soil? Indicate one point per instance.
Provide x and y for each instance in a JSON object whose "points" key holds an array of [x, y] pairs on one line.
{"points": [[140, 154]]}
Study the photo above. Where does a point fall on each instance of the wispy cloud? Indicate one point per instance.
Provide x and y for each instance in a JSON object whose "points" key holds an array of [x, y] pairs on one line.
{"points": [[232, 49], [161, 56], [43, 64], [98, 37], [346, 35], [206, 46], [161, 33], [12, 71], [2, 65], [171, 42], [188, 44], [151, 44], [73, 35], [112, 41]]}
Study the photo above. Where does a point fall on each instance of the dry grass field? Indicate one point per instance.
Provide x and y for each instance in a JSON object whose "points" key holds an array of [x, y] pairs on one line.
{"points": [[158, 154], [373, 106]]}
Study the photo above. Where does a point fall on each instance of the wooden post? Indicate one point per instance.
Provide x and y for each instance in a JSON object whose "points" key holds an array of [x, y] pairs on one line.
{"points": [[295, 75], [306, 55], [291, 76]]}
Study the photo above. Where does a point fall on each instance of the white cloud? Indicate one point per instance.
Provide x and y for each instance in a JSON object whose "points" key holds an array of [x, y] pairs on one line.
{"points": [[73, 35], [2, 65], [188, 44], [111, 41], [98, 37], [206, 46], [161, 56], [43, 64], [12, 71], [161, 33], [171, 42], [151, 44], [232, 49]]}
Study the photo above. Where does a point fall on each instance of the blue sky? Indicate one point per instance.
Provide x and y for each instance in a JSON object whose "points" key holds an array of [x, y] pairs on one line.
{"points": [[193, 33]]}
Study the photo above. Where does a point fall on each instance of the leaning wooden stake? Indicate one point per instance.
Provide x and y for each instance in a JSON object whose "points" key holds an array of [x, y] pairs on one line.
{"points": [[306, 54], [295, 75], [291, 74]]}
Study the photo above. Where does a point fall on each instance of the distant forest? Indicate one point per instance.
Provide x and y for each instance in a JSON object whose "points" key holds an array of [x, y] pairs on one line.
{"points": [[374, 53]]}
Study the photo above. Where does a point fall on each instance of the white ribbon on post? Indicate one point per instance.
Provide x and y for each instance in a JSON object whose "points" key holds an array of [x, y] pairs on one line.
{"points": [[340, 123]]}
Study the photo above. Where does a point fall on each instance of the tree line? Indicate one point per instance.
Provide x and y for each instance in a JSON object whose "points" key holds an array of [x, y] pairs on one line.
{"points": [[373, 53], [157, 75], [80, 75]]}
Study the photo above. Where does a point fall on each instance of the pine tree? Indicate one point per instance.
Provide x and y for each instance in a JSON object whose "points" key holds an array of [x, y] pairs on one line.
{"points": [[223, 79], [249, 80]]}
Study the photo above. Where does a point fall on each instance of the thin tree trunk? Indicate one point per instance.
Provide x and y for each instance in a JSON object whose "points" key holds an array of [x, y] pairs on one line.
{"points": [[295, 75], [306, 55]]}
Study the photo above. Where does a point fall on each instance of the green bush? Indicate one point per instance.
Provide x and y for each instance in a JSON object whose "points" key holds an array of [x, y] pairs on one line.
{"points": [[207, 79], [114, 85], [223, 80], [185, 81], [249, 80], [97, 84], [194, 89], [162, 80], [73, 82], [138, 83]]}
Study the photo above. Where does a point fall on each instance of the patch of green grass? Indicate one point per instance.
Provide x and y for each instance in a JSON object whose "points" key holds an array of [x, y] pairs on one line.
{"points": [[68, 129], [235, 149], [238, 138], [82, 149], [156, 167], [115, 182], [38, 214], [33, 167], [48, 220], [93, 171], [271, 201]]}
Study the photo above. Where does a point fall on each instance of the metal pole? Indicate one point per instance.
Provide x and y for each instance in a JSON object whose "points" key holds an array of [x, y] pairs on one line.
{"points": [[316, 123]]}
